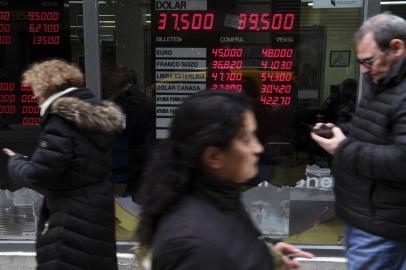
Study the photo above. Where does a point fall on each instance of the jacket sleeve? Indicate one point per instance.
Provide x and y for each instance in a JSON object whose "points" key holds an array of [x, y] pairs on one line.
{"points": [[49, 160], [387, 162], [192, 254]]}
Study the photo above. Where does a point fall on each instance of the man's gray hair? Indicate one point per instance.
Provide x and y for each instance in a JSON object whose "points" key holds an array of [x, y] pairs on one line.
{"points": [[384, 28]]}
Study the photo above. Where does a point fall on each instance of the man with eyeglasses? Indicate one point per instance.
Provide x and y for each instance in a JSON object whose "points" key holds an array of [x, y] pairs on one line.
{"points": [[370, 152]]}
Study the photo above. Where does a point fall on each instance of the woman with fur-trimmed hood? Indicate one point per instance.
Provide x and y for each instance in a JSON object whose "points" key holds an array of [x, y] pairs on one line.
{"points": [[70, 167]]}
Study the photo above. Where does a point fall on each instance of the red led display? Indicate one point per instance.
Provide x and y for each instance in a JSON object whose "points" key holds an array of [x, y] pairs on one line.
{"points": [[38, 26], [276, 64], [31, 121], [5, 40], [7, 98], [276, 76], [273, 101], [266, 21], [227, 52], [43, 27], [227, 86], [4, 15], [186, 21], [5, 28], [282, 53], [226, 76], [7, 86], [30, 110], [27, 99], [43, 15], [46, 40], [30, 31], [226, 64], [276, 89], [8, 109]]}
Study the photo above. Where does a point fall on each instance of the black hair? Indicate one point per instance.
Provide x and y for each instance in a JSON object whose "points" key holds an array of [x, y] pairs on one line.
{"points": [[208, 118]]}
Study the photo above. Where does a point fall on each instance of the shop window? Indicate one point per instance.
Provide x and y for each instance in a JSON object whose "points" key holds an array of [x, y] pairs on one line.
{"points": [[30, 31]]}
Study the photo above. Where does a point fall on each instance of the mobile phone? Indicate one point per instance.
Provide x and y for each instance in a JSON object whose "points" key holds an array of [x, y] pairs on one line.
{"points": [[323, 131]]}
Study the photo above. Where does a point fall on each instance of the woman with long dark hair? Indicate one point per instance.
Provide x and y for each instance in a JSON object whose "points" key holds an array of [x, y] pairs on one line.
{"points": [[192, 214]]}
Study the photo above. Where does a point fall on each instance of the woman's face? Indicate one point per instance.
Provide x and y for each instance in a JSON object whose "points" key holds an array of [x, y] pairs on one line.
{"points": [[239, 162]]}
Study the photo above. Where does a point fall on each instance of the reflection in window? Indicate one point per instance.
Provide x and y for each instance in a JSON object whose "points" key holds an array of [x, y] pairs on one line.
{"points": [[34, 31]]}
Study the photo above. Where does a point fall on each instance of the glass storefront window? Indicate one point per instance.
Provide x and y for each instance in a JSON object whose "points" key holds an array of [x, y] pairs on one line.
{"points": [[295, 59], [125, 32], [395, 7], [29, 31]]}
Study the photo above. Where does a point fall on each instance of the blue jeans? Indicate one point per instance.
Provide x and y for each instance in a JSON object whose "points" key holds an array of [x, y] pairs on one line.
{"points": [[366, 251]]}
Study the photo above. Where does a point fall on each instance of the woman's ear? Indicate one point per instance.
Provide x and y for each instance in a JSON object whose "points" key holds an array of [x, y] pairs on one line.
{"points": [[212, 158]]}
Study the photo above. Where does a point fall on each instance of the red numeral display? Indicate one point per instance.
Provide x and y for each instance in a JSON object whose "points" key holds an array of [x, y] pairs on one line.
{"points": [[281, 53], [7, 86], [30, 110], [5, 40], [186, 21], [276, 89], [25, 88], [27, 99], [226, 64], [276, 76], [43, 27], [266, 21], [272, 101], [46, 40], [227, 86], [226, 76], [227, 52], [7, 98], [43, 16], [31, 121], [276, 64], [4, 15], [7, 109], [5, 28]]}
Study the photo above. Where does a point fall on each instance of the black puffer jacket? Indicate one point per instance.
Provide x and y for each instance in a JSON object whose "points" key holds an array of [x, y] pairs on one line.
{"points": [[70, 167], [209, 230], [370, 165]]}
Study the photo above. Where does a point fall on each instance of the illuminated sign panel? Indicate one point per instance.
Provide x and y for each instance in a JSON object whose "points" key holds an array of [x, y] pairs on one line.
{"points": [[29, 31], [242, 46]]}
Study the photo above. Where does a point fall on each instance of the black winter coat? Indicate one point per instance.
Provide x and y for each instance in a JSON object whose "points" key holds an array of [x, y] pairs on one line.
{"points": [[70, 167], [370, 165], [209, 230]]}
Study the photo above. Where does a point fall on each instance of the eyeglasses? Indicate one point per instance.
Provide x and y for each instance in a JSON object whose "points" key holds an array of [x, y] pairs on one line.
{"points": [[369, 61]]}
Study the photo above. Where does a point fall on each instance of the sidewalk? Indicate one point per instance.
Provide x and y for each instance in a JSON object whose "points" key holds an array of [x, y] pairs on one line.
{"points": [[126, 261]]}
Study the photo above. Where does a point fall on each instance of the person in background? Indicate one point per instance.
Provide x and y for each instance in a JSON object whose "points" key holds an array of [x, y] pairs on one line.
{"points": [[70, 167], [132, 146], [340, 107], [370, 152], [192, 215]]}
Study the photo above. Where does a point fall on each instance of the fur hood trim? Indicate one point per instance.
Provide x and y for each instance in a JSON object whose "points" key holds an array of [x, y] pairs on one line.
{"points": [[105, 117]]}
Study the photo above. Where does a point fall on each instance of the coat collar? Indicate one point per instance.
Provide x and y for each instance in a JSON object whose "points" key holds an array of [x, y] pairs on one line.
{"points": [[222, 194], [394, 77], [48, 102]]}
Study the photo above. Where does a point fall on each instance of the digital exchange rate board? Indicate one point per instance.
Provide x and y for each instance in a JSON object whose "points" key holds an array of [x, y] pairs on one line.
{"points": [[242, 46], [30, 31]]}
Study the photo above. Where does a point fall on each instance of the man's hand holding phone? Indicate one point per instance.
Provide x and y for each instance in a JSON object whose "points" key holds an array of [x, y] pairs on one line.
{"points": [[328, 136]]}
